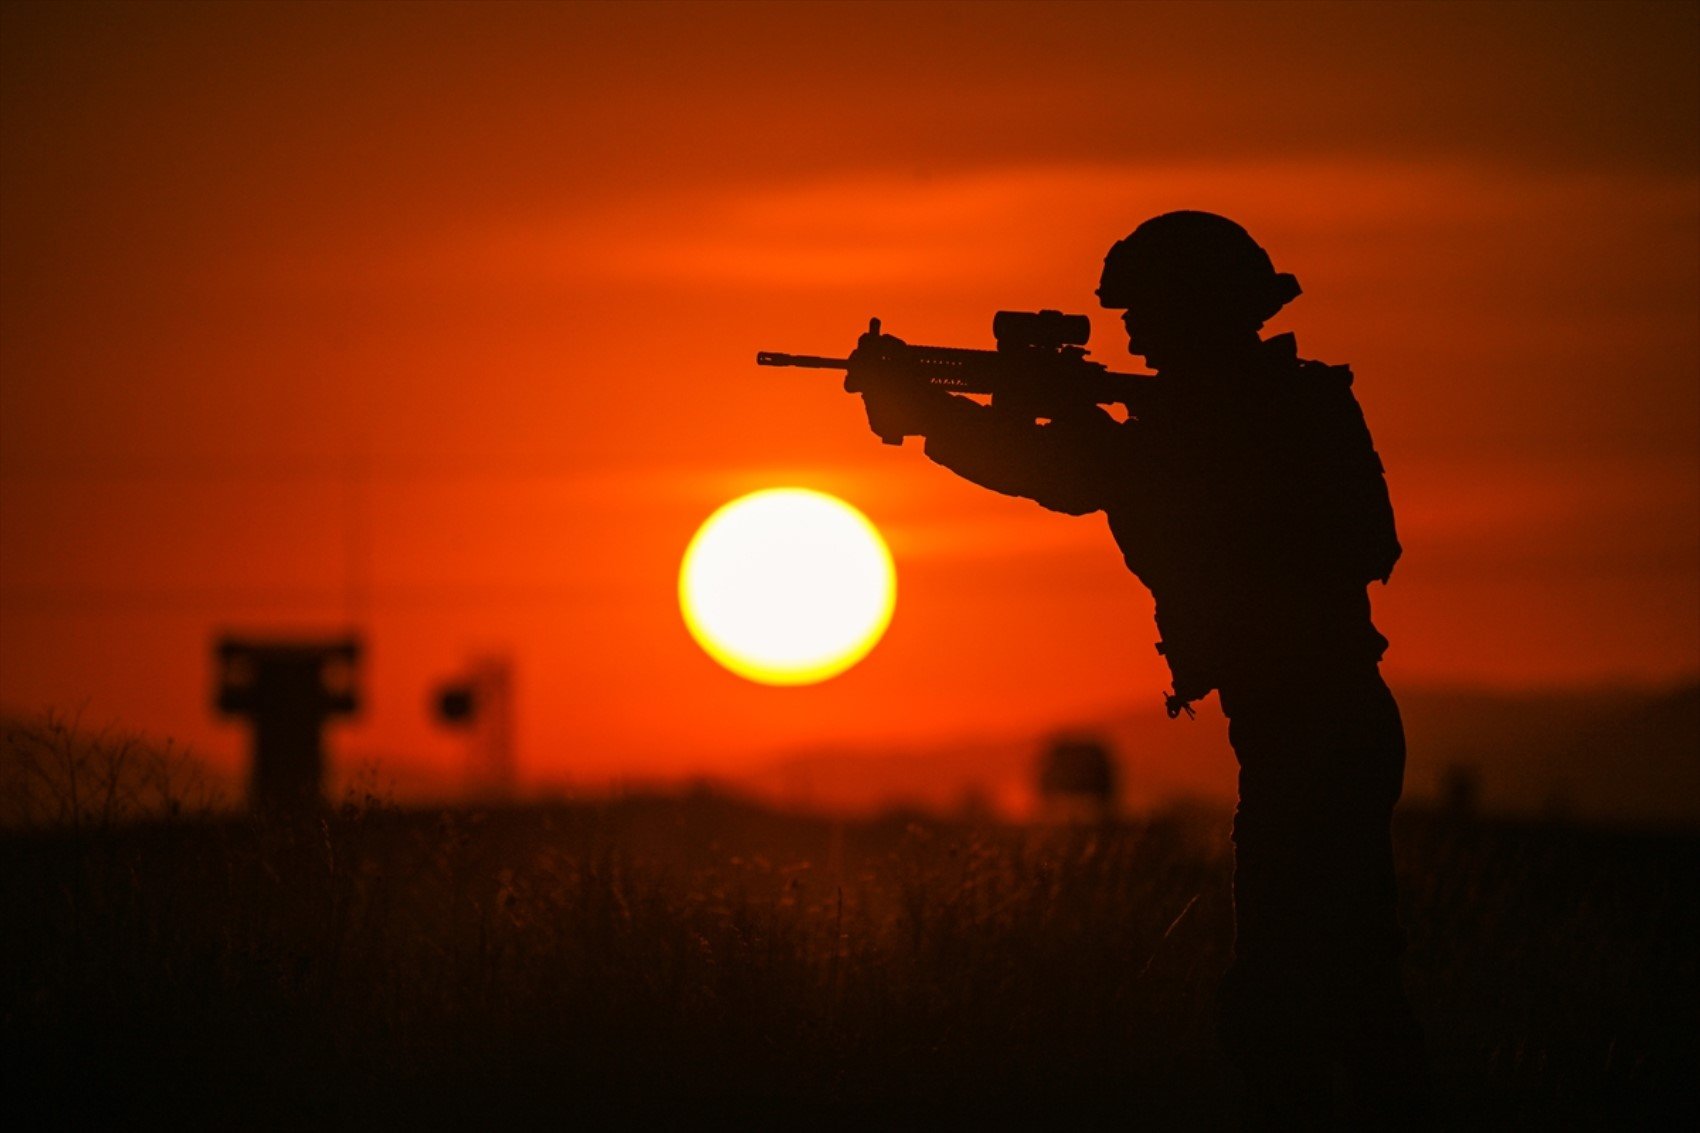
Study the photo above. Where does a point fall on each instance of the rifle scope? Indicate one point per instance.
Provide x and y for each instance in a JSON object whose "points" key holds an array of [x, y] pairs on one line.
{"points": [[1042, 330]]}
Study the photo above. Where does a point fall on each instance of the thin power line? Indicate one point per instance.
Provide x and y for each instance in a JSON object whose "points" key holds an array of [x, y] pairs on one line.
{"points": [[327, 597], [328, 470]]}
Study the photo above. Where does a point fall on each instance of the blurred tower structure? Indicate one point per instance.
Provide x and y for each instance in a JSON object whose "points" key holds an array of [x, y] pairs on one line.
{"points": [[1077, 780], [480, 702], [1460, 791], [287, 690]]}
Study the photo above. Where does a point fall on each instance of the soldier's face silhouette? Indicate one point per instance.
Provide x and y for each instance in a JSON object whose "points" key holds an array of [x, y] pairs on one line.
{"points": [[1167, 332]]}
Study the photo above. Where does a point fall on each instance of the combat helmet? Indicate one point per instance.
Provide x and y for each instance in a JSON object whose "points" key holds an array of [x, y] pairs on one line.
{"points": [[1198, 261]]}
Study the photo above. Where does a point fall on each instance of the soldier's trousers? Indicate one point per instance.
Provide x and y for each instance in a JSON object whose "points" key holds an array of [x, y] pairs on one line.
{"points": [[1315, 988]]}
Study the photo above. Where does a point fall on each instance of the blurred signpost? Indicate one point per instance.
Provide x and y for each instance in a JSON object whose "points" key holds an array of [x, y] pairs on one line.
{"points": [[480, 702]]}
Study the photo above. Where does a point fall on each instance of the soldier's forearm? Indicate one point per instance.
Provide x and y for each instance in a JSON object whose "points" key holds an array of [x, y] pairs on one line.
{"points": [[1013, 457]]}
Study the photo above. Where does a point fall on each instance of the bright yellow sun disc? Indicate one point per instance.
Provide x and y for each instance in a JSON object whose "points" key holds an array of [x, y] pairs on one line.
{"points": [[787, 586]]}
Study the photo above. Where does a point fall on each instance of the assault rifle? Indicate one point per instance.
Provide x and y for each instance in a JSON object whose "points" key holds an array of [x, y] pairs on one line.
{"points": [[1039, 369]]}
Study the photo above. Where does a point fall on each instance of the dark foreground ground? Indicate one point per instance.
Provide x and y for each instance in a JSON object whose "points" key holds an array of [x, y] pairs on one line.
{"points": [[684, 959]]}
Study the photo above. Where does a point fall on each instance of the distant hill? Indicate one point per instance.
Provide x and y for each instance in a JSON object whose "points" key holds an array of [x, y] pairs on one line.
{"points": [[1607, 756]]}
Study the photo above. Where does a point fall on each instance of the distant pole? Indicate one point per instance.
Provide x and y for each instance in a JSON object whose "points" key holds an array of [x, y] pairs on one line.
{"points": [[497, 774], [356, 534], [481, 704]]}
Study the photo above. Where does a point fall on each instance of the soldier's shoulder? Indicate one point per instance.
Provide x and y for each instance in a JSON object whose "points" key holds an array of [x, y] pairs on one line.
{"points": [[1282, 355], [1325, 378], [1320, 384], [1318, 397]]}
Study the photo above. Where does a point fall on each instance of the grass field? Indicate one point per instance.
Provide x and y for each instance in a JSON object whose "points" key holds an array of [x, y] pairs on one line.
{"points": [[674, 958]]}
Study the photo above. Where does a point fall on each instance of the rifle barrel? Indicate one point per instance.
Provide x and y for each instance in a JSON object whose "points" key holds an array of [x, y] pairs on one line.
{"points": [[809, 361]]}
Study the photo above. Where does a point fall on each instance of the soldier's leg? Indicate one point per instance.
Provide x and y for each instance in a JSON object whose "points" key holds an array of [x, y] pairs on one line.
{"points": [[1382, 1048], [1317, 940], [1274, 1023]]}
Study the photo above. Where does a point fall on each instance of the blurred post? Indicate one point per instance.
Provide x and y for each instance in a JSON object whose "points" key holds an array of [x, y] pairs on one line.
{"points": [[481, 703]]}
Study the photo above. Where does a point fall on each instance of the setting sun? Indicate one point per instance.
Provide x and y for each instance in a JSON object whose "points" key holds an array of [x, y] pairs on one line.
{"points": [[787, 586]]}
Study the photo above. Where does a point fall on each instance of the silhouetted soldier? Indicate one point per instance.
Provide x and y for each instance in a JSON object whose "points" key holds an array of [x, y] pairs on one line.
{"points": [[1248, 497]]}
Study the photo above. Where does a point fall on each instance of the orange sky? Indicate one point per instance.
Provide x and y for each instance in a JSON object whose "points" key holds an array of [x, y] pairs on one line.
{"points": [[514, 262]]}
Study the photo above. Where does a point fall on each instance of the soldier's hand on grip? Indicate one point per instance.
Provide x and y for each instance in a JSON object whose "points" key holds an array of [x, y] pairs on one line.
{"points": [[899, 404], [887, 394], [874, 361]]}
